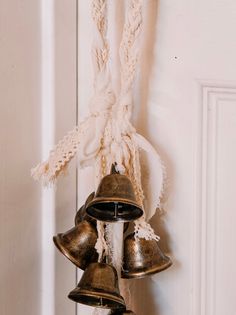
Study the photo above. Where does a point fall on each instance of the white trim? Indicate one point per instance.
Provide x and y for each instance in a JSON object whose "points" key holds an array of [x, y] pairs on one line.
{"points": [[47, 136], [204, 218]]}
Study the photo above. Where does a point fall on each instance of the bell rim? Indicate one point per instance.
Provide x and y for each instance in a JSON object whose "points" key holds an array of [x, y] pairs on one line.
{"points": [[64, 252], [138, 274], [112, 199], [113, 297]]}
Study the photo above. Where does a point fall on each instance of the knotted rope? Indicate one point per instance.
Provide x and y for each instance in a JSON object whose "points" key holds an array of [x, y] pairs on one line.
{"points": [[85, 139], [107, 136], [121, 143]]}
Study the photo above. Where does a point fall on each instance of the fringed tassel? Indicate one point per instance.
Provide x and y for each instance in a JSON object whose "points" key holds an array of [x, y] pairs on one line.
{"points": [[100, 311], [59, 158], [143, 229], [101, 245]]}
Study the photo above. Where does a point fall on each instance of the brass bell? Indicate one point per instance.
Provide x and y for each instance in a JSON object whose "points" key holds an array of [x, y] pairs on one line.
{"points": [[98, 287], [114, 200], [82, 214], [121, 312], [142, 258], [78, 244]]}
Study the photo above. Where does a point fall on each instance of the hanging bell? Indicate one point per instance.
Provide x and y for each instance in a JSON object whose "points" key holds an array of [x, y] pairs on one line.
{"points": [[82, 215], [142, 258], [98, 287], [78, 244], [121, 312], [114, 200]]}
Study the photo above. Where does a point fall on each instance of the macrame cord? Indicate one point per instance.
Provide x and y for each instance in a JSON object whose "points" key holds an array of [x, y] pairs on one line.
{"points": [[85, 139], [107, 136]]}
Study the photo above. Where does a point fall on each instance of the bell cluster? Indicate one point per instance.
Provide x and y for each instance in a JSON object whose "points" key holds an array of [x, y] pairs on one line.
{"points": [[114, 201]]}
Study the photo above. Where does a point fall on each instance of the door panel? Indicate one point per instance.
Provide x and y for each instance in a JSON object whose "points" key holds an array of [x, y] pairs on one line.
{"points": [[217, 191], [65, 30]]}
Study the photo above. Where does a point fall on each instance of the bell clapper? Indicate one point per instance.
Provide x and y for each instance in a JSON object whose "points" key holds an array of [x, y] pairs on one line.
{"points": [[116, 209]]}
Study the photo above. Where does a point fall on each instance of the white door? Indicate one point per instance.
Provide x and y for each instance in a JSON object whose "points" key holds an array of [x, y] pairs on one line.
{"points": [[185, 104]]}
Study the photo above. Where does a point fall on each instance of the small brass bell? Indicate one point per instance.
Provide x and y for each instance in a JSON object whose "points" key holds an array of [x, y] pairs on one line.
{"points": [[82, 214], [114, 200], [142, 258], [121, 312], [98, 287], [78, 244]]}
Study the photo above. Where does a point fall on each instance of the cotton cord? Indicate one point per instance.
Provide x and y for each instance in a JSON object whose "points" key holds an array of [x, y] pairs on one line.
{"points": [[106, 136], [107, 131], [85, 139]]}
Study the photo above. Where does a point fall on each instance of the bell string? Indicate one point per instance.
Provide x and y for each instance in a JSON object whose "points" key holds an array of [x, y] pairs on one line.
{"points": [[101, 244], [81, 136], [99, 311], [143, 229]]}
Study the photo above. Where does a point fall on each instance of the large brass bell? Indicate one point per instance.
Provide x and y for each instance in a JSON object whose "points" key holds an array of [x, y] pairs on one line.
{"points": [[98, 287], [142, 258], [121, 312], [82, 215], [114, 200], [78, 244]]}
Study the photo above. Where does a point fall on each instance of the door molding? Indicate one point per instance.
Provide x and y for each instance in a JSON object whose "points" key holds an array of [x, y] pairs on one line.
{"points": [[205, 203]]}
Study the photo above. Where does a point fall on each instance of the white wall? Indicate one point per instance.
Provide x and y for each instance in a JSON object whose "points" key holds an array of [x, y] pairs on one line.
{"points": [[20, 219], [38, 70]]}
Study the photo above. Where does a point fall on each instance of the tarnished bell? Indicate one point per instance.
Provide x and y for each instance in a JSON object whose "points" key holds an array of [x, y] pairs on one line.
{"points": [[142, 258], [114, 200], [78, 244], [98, 287], [121, 312], [82, 214]]}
